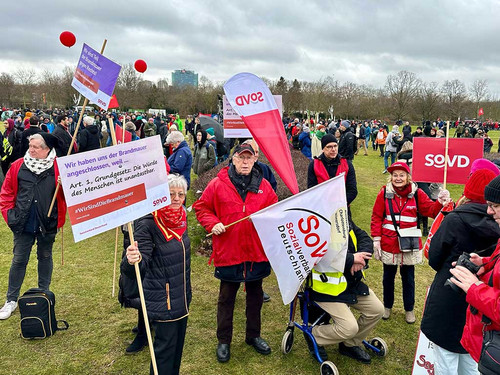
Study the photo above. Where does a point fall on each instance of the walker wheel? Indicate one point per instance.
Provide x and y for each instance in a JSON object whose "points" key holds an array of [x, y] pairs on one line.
{"points": [[328, 368], [380, 345], [287, 342]]}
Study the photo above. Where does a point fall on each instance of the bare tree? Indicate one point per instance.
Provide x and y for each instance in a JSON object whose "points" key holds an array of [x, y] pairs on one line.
{"points": [[26, 79], [402, 89], [455, 96], [479, 91], [427, 100], [6, 89]]}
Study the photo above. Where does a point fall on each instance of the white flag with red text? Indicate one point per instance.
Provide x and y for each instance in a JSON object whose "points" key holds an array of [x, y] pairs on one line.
{"points": [[307, 230]]}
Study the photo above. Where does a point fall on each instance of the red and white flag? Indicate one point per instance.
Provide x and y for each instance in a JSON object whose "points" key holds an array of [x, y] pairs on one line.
{"points": [[429, 158], [480, 112], [305, 231], [251, 99], [113, 103]]}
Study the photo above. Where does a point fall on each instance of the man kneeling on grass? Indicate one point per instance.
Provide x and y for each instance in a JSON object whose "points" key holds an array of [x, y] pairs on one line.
{"points": [[337, 292]]}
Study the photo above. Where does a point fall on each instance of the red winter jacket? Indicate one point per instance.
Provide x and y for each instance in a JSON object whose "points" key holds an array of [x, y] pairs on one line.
{"points": [[221, 203], [486, 300], [8, 193], [405, 212]]}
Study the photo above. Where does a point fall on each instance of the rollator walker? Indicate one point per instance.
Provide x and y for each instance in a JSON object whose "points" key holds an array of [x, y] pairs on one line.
{"points": [[310, 311]]}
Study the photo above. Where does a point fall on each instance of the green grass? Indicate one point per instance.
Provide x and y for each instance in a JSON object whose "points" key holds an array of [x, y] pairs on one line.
{"points": [[100, 329]]}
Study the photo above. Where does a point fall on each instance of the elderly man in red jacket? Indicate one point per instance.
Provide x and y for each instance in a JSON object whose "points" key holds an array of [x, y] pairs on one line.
{"points": [[238, 191], [24, 201]]}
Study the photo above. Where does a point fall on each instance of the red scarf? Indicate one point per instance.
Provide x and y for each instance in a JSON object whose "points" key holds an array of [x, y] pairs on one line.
{"points": [[402, 192], [172, 223]]}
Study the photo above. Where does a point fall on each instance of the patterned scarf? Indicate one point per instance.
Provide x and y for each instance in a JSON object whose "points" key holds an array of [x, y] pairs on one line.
{"points": [[172, 223], [38, 166]]}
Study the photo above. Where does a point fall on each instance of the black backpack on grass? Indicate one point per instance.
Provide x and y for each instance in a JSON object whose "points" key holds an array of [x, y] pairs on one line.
{"points": [[38, 318]]}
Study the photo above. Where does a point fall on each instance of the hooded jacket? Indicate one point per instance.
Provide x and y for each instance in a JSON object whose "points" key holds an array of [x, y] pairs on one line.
{"points": [[468, 229], [204, 155], [181, 160]]}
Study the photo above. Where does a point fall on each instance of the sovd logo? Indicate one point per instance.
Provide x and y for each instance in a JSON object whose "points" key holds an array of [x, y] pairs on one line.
{"points": [[437, 161], [253, 98]]}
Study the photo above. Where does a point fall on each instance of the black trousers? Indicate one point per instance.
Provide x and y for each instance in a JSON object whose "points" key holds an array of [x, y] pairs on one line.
{"points": [[168, 345], [408, 281], [225, 309]]}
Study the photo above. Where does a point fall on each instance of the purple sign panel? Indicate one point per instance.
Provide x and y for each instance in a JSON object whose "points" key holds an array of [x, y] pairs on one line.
{"points": [[95, 76]]}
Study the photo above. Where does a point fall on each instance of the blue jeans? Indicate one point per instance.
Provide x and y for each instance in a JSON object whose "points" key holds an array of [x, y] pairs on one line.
{"points": [[23, 242], [386, 156]]}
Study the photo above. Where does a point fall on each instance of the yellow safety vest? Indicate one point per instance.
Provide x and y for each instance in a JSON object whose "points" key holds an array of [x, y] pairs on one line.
{"points": [[331, 283]]}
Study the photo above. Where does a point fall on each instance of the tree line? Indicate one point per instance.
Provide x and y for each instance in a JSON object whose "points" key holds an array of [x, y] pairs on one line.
{"points": [[404, 96]]}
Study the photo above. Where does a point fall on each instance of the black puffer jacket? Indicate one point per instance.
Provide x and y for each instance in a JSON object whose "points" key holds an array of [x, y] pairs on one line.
{"points": [[89, 139], [166, 271], [64, 139], [355, 286], [466, 229]]}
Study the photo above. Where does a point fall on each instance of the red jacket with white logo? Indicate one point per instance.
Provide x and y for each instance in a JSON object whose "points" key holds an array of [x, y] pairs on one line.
{"points": [[405, 213], [221, 203], [486, 300]]}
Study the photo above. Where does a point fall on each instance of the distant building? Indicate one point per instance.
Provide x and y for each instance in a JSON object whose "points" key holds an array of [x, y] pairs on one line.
{"points": [[184, 77]]}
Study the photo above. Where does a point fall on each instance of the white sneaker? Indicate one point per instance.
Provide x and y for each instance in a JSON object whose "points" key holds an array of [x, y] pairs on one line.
{"points": [[7, 309]]}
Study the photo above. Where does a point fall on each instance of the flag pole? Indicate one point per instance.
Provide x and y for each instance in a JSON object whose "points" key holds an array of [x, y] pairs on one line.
{"points": [[62, 246], [73, 140], [233, 223], [446, 153], [116, 234]]}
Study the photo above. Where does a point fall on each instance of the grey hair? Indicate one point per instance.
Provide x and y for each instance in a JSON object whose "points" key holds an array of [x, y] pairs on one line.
{"points": [[175, 136], [87, 120], [39, 137], [130, 126], [177, 181]]}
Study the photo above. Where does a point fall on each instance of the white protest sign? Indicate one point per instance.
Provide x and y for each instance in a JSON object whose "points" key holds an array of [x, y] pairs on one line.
{"points": [[108, 187], [423, 363]]}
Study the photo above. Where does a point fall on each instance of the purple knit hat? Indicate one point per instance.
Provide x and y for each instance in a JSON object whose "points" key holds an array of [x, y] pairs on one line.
{"points": [[484, 164]]}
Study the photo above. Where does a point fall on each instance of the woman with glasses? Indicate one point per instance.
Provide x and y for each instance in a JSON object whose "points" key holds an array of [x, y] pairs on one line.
{"points": [[162, 248]]}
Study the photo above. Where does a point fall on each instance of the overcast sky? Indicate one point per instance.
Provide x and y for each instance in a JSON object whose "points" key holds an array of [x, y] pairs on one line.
{"points": [[355, 40]]}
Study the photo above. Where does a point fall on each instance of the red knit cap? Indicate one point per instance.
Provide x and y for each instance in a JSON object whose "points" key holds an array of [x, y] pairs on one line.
{"points": [[474, 187]]}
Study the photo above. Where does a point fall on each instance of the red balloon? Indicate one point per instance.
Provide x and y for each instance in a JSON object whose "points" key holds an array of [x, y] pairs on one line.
{"points": [[140, 66], [67, 38]]}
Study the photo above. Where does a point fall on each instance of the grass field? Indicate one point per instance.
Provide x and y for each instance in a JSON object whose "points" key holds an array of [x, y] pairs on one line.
{"points": [[100, 329]]}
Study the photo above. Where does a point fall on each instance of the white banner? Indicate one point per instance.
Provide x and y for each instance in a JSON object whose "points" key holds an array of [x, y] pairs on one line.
{"points": [[423, 363], [309, 229], [108, 187]]}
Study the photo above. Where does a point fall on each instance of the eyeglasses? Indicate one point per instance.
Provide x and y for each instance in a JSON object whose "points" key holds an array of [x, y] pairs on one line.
{"points": [[180, 195], [331, 147]]}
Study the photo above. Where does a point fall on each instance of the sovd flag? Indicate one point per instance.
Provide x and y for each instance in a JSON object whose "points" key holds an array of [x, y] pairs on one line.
{"points": [[480, 112], [307, 230], [122, 135], [251, 99]]}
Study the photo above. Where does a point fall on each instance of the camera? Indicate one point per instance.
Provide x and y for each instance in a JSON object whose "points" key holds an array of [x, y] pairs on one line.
{"points": [[464, 261]]}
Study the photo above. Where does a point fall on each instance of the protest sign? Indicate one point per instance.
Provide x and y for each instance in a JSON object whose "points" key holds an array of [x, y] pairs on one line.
{"points": [[252, 100], [112, 186], [305, 231], [429, 159], [234, 126], [423, 363], [95, 77]]}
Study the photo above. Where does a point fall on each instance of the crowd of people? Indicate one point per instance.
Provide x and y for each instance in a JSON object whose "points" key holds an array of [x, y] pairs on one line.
{"points": [[32, 141]]}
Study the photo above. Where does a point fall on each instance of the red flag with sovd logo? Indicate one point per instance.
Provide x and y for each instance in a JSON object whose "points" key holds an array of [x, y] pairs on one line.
{"points": [[251, 99], [429, 158]]}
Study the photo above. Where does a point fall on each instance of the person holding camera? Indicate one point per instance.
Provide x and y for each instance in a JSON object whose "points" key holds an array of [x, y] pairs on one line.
{"points": [[466, 229], [394, 224], [482, 289]]}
